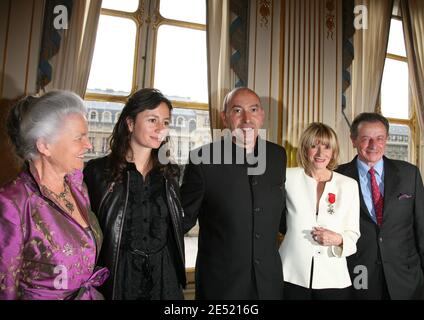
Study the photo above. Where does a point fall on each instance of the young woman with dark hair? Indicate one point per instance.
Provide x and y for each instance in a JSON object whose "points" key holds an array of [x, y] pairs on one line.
{"points": [[136, 199]]}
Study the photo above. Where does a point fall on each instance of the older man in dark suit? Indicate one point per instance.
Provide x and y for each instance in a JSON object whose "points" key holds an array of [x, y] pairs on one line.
{"points": [[390, 252], [235, 188]]}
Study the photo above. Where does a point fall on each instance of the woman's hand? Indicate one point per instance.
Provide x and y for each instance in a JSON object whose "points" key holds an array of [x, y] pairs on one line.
{"points": [[326, 237]]}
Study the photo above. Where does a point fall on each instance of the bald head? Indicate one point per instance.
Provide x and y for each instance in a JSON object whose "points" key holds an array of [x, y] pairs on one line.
{"points": [[243, 115], [235, 92]]}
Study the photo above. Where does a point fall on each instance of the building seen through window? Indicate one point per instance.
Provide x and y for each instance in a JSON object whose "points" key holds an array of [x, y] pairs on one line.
{"points": [[187, 130], [399, 142]]}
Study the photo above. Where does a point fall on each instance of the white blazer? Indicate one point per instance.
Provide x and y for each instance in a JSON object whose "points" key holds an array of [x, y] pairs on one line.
{"points": [[298, 248]]}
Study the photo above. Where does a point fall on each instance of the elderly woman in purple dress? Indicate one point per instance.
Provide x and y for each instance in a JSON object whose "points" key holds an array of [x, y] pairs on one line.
{"points": [[49, 238]]}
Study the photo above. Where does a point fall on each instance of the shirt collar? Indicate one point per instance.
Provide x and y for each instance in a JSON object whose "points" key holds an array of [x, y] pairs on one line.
{"points": [[363, 167]]}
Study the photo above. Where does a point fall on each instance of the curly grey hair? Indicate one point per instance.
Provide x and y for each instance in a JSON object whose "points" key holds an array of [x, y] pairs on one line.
{"points": [[33, 118]]}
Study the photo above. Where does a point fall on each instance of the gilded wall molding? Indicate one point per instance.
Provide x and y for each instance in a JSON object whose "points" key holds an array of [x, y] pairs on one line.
{"points": [[265, 10], [330, 18]]}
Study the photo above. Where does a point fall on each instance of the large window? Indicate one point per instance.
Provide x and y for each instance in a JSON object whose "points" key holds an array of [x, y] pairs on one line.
{"points": [[153, 43], [396, 101]]}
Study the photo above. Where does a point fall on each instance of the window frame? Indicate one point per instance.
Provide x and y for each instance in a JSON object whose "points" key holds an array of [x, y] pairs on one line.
{"points": [[143, 19], [411, 123], [96, 116], [107, 114], [159, 21], [137, 17]]}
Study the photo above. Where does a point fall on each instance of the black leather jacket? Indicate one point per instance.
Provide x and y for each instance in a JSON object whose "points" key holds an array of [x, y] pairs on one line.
{"points": [[109, 202]]}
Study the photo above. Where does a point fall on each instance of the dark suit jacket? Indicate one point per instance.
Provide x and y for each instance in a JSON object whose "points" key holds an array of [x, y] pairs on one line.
{"points": [[398, 245], [239, 217]]}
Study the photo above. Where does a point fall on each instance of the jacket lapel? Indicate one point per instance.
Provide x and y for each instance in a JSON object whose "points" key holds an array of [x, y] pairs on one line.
{"points": [[391, 184]]}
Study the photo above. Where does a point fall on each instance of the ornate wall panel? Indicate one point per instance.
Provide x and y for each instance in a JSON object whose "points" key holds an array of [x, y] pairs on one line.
{"points": [[297, 66]]}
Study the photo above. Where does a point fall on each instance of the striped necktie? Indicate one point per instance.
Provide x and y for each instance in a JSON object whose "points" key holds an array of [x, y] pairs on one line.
{"points": [[377, 197]]}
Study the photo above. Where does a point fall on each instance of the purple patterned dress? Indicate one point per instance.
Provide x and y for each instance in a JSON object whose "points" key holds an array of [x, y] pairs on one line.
{"points": [[44, 252]]}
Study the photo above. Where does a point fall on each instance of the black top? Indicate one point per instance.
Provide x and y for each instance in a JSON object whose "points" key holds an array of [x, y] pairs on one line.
{"points": [[147, 270], [239, 218]]}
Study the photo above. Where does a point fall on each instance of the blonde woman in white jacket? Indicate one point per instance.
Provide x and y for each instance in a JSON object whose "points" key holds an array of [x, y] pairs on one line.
{"points": [[322, 220]]}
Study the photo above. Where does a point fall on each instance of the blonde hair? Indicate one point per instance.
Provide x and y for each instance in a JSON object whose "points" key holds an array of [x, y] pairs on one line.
{"points": [[318, 133]]}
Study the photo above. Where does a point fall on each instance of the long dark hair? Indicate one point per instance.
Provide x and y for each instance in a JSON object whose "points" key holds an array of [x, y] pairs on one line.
{"points": [[144, 99]]}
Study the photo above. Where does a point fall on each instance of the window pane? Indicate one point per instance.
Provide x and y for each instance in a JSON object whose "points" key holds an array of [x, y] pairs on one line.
{"points": [[184, 10], [126, 5], [395, 90], [180, 70], [102, 117], [396, 40], [399, 142], [113, 61], [189, 129]]}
